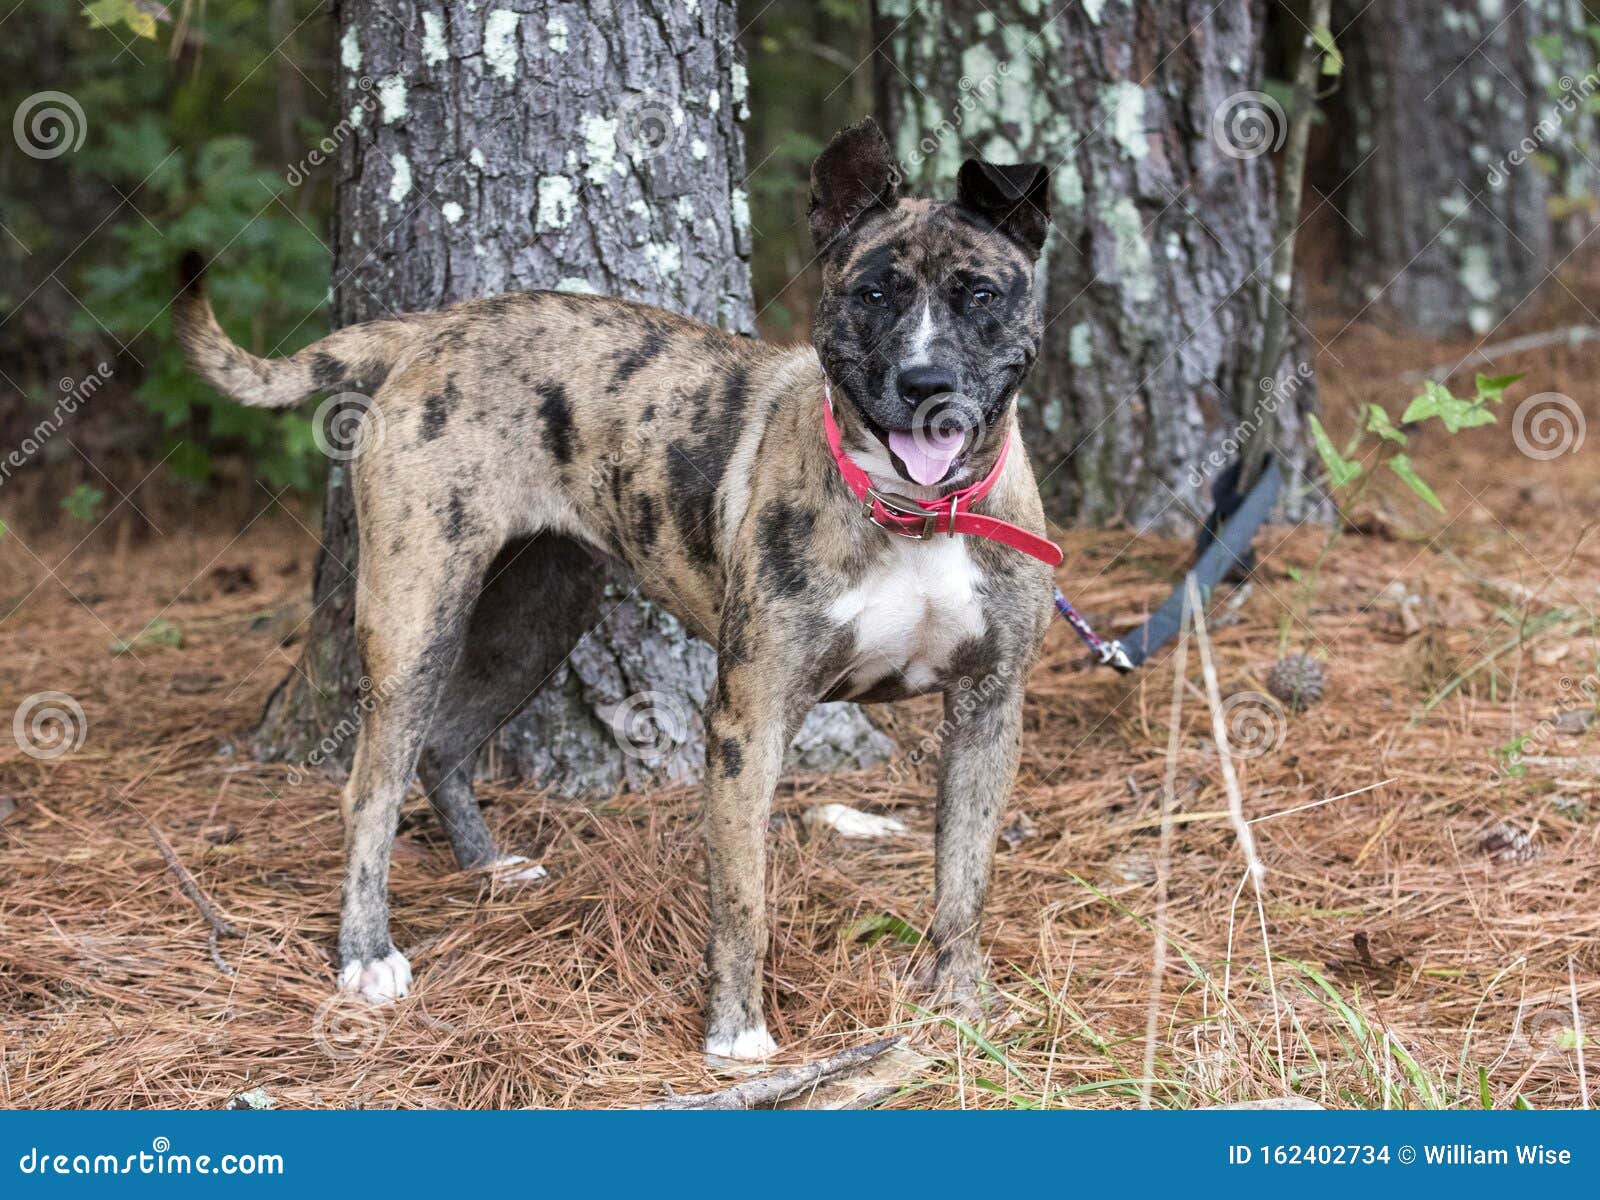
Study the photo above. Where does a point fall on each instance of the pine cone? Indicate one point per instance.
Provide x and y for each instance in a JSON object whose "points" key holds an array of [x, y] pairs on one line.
{"points": [[1297, 680]]}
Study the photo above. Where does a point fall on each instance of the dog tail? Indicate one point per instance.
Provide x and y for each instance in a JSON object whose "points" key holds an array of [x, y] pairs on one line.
{"points": [[363, 353]]}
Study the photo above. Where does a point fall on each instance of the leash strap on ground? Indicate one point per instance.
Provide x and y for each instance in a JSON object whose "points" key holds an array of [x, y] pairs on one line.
{"points": [[1224, 544]]}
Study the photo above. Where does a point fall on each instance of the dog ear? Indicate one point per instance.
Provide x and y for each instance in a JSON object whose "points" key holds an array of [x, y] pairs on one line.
{"points": [[854, 175], [1014, 199]]}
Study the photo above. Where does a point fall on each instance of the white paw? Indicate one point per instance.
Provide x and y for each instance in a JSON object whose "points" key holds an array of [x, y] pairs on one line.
{"points": [[513, 868], [752, 1045], [378, 980]]}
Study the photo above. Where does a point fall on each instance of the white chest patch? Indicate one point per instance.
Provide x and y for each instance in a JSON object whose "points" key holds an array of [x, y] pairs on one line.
{"points": [[911, 612]]}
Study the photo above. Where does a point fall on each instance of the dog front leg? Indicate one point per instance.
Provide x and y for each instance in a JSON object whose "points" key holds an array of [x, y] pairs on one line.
{"points": [[977, 765], [746, 731]]}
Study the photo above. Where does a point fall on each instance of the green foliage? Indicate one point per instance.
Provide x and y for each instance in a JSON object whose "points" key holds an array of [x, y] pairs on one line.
{"points": [[183, 147], [875, 927], [1345, 467], [1332, 60], [108, 14], [83, 503], [157, 633]]}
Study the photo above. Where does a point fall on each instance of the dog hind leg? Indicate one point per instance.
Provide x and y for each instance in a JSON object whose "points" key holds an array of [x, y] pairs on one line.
{"points": [[539, 597], [410, 624]]}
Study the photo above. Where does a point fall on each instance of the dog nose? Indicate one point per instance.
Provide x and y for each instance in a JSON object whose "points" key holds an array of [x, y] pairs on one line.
{"points": [[919, 383]]}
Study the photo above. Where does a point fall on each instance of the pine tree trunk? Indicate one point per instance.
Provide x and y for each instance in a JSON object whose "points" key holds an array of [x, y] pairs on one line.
{"points": [[588, 146], [1162, 223], [1470, 131]]}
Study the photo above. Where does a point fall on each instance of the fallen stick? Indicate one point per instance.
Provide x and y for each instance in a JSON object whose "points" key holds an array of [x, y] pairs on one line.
{"points": [[768, 1090], [1570, 335], [187, 885], [1584, 764]]}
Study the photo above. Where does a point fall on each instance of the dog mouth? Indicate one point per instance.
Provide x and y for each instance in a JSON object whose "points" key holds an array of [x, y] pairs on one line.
{"points": [[927, 454]]}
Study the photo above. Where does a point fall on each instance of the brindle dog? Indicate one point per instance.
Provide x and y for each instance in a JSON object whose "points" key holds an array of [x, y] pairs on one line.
{"points": [[526, 436]]}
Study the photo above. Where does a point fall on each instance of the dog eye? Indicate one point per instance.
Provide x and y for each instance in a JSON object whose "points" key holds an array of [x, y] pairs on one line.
{"points": [[981, 298], [873, 296]]}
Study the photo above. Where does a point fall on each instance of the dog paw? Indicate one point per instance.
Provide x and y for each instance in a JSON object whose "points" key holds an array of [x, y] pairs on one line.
{"points": [[379, 980], [513, 868], [750, 1045]]}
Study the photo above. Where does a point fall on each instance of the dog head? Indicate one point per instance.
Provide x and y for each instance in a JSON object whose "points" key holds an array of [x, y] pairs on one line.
{"points": [[927, 323]]}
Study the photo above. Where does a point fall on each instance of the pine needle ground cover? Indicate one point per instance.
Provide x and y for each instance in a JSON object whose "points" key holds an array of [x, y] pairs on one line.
{"points": [[1429, 830]]}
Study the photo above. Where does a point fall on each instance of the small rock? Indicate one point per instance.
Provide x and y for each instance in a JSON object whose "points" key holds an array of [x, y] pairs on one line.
{"points": [[255, 1099], [1019, 831], [1574, 722], [1136, 866], [8, 807], [852, 822], [195, 684]]}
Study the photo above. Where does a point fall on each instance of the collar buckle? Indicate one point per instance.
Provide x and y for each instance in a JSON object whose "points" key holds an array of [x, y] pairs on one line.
{"points": [[900, 510]]}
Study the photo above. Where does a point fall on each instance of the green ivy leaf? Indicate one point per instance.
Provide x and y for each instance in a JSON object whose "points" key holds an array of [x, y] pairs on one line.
{"points": [[1340, 469], [1492, 387], [1378, 422], [1401, 466], [1332, 60], [1453, 413], [107, 14]]}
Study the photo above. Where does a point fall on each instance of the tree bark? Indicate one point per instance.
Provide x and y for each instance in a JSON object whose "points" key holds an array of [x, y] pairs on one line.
{"points": [[1157, 264], [582, 146], [1469, 130]]}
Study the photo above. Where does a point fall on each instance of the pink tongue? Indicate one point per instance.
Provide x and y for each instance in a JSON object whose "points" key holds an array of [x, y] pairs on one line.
{"points": [[927, 455]]}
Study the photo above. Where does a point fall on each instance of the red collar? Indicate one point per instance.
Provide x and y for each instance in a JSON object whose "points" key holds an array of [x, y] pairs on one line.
{"points": [[949, 515]]}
